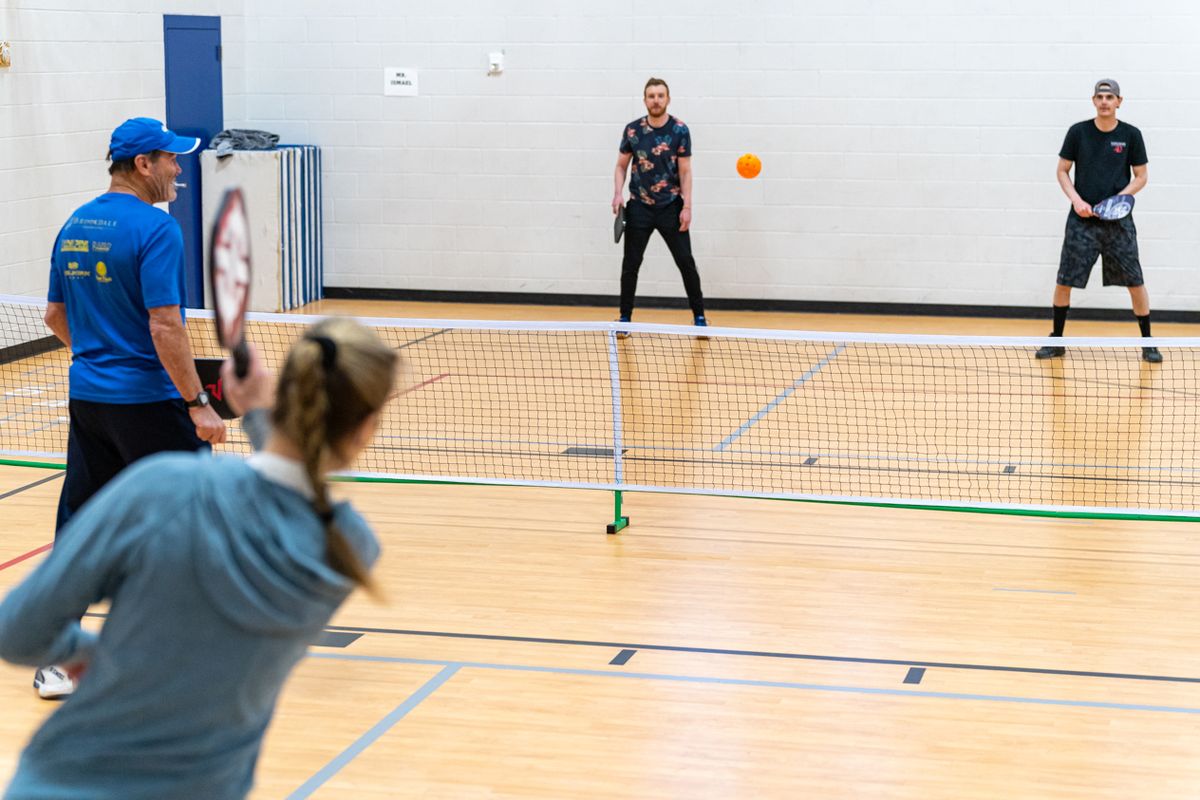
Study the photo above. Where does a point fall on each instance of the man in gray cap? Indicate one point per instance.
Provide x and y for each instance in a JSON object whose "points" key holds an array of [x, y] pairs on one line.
{"points": [[1104, 151]]}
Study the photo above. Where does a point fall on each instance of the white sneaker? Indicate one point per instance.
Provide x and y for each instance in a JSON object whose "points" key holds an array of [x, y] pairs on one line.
{"points": [[52, 683]]}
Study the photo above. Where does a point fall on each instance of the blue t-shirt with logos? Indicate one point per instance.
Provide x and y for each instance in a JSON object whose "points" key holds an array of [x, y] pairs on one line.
{"points": [[654, 178], [114, 259]]}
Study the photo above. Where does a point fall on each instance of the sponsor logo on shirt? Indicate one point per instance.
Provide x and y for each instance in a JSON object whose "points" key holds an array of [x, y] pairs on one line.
{"points": [[94, 223], [1118, 147], [102, 273], [101, 247], [74, 246], [73, 270]]}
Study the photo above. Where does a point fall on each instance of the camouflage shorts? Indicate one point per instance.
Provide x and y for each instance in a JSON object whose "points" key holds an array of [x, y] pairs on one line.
{"points": [[1115, 242]]}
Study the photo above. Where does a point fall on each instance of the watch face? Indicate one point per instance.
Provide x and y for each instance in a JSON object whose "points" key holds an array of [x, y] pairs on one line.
{"points": [[201, 400]]}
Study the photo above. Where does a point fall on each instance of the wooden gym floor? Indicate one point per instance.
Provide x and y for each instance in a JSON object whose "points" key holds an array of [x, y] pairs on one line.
{"points": [[723, 647]]}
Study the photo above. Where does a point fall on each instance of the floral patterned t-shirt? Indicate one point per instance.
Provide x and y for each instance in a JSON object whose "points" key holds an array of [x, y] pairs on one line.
{"points": [[654, 177]]}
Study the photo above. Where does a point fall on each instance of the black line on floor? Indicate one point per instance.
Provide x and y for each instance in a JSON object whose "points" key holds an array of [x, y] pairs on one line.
{"points": [[423, 338], [768, 654], [336, 639], [747, 463], [593, 452], [31, 485], [622, 658]]}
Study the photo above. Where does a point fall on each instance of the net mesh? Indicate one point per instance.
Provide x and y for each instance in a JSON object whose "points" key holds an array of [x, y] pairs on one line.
{"points": [[976, 422]]}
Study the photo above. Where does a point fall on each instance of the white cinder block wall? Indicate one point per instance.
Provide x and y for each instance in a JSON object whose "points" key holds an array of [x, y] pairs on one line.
{"points": [[79, 69], [908, 149]]}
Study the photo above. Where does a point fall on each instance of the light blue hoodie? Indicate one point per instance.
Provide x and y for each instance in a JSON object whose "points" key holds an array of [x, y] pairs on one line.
{"points": [[218, 582]]}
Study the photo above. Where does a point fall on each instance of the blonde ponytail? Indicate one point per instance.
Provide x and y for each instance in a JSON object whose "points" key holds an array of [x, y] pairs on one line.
{"points": [[335, 377]]}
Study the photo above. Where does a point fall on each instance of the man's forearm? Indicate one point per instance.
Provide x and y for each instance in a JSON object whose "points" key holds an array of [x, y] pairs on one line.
{"points": [[56, 321], [1136, 185], [1064, 181], [175, 353], [619, 179]]}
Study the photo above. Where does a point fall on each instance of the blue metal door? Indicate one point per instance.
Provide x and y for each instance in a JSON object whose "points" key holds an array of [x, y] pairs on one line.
{"points": [[192, 50]]}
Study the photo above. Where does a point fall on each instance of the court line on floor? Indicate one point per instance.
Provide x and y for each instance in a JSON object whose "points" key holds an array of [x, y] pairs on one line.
{"points": [[784, 395], [450, 668], [825, 467], [27, 556], [704, 679], [493, 637], [423, 384], [794, 454], [370, 737], [38, 482], [424, 338]]}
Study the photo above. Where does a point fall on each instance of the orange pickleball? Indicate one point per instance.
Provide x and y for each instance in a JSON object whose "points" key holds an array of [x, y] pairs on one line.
{"points": [[748, 166]]}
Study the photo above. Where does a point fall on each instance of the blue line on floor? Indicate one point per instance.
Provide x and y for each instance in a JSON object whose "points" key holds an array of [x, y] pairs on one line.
{"points": [[382, 727], [784, 395], [813, 687]]}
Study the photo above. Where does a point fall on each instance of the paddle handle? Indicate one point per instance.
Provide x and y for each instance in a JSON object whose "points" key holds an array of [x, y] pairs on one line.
{"points": [[241, 359]]}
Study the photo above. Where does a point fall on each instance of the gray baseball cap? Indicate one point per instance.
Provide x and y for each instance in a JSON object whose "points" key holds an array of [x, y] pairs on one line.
{"points": [[1107, 85]]}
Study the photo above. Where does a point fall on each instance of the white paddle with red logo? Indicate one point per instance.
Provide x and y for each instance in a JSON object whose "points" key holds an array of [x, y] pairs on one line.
{"points": [[229, 271]]}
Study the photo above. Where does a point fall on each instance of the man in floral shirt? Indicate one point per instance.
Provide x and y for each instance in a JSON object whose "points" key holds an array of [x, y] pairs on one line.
{"points": [[660, 189]]}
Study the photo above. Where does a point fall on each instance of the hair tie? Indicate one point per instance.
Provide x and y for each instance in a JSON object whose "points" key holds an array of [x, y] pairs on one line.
{"points": [[326, 516], [328, 351]]}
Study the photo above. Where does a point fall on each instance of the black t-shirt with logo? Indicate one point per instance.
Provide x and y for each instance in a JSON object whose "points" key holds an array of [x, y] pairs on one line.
{"points": [[1103, 161]]}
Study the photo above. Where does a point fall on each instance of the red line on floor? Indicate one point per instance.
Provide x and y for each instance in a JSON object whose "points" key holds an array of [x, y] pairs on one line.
{"points": [[27, 556], [423, 384]]}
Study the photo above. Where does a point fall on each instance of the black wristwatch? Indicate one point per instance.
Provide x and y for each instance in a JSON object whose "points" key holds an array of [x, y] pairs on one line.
{"points": [[201, 401]]}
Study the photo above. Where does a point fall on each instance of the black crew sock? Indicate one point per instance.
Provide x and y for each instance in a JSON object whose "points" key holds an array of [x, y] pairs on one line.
{"points": [[1144, 324], [1060, 319]]}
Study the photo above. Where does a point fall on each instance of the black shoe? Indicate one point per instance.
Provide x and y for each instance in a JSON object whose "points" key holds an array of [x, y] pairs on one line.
{"points": [[1050, 351], [1152, 355]]}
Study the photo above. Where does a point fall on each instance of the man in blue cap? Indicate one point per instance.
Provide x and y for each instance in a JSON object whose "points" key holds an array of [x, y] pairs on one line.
{"points": [[116, 300]]}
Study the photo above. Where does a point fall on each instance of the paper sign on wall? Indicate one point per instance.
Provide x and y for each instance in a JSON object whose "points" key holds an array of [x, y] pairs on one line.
{"points": [[400, 82]]}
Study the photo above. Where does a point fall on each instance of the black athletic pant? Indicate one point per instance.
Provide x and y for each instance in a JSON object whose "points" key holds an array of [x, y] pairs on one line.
{"points": [[104, 438], [641, 221]]}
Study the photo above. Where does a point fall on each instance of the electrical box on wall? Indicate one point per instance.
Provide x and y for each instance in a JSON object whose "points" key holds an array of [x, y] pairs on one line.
{"points": [[5, 55]]}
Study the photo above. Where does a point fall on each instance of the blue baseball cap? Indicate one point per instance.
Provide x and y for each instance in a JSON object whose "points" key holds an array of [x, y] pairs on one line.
{"points": [[139, 135]]}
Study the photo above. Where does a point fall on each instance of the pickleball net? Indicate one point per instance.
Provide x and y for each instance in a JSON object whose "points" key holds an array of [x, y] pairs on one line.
{"points": [[956, 422]]}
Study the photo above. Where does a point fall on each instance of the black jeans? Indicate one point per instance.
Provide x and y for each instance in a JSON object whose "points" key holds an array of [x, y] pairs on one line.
{"points": [[104, 438], [641, 221]]}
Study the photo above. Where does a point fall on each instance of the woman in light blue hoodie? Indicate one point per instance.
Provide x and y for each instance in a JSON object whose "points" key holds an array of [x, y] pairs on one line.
{"points": [[220, 572]]}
